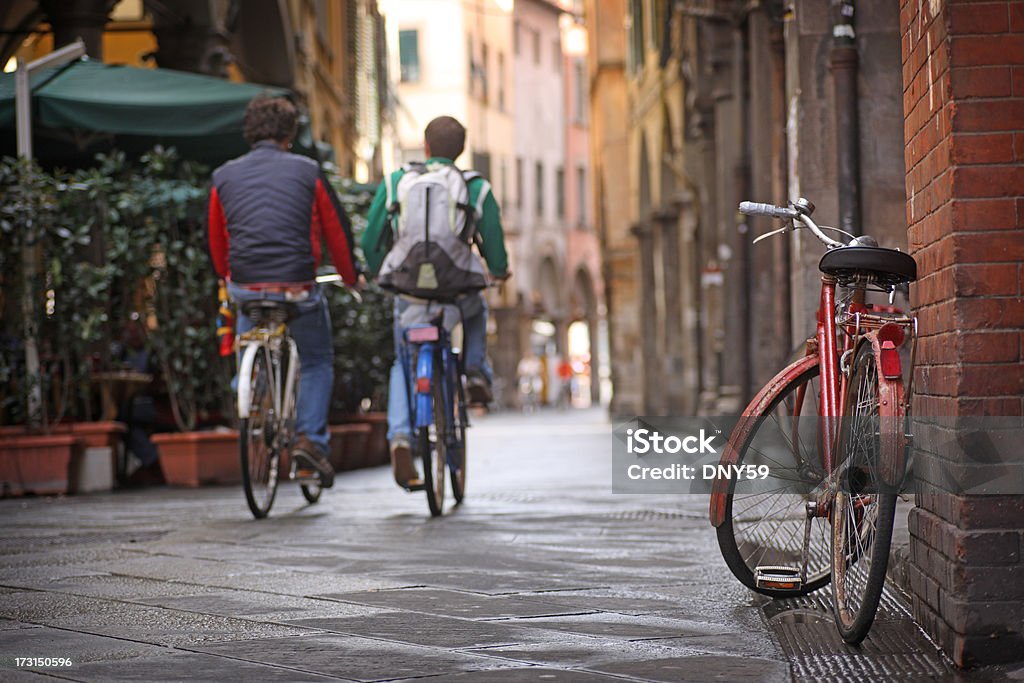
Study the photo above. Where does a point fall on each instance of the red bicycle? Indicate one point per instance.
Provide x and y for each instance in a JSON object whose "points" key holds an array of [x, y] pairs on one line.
{"points": [[832, 428]]}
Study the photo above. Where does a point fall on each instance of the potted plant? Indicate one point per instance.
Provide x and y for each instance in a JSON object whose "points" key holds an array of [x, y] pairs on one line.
{"points": [[363, 350], [183, 338]]}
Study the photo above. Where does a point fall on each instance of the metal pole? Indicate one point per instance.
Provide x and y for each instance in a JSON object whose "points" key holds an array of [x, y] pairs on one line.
{"points": [[29, 257], [843, 61]]}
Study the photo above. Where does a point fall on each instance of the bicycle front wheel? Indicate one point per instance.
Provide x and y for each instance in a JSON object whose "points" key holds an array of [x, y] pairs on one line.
{"points": [[457, 456], [766, 528], [864, 507], [258, 436]]}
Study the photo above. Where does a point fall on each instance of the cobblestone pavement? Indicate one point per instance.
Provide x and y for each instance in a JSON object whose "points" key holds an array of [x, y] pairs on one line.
{"points": [[542, 575]]}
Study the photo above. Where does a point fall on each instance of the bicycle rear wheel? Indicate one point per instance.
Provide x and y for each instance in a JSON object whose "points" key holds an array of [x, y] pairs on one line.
{"points": [[864, 507], [258, 437], [457, 456], [766, 528], [431, 445]]}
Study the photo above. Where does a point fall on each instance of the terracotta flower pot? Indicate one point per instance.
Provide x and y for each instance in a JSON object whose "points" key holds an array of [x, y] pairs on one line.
{"points": [[348, 445], [36, 464], [377, 442], [199, 458]]}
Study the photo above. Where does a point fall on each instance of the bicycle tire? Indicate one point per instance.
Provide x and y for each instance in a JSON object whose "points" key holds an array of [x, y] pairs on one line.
{"points": [[257, 437], [864, 504], [311, 493], [767, 528], [460, 413]]}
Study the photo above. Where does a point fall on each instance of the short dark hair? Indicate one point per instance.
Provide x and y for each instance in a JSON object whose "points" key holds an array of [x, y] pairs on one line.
{"points": [[446, 137], [269, 118]]}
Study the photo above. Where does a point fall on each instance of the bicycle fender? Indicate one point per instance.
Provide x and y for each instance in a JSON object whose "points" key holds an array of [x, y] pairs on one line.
{"points": [[424, 370], [244, 379], [891, 410], [748, 422]]}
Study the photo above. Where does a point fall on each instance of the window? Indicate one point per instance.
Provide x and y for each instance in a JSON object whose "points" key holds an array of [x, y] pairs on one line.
{"points": [[635, 55], [471, 81], [579, 86], [519, 183], [515, 38], [501, 81], [581, 195], [485, 68], [536, 46], [560, 191], [409, 55], [556, 55], [482, 163], [504, 182], [540, 189]]}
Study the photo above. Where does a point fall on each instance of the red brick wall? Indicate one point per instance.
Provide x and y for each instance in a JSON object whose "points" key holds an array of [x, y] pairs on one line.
{"points": [[963, 75]]}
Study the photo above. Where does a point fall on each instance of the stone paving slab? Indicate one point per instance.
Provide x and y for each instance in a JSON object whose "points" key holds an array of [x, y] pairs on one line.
{"points": [[423, 629], [80, 648], [133, 622], [262, 606], [458, 603], [189, 666], [497, 584], [703, 668], [528, 675], [608, 625], [355, 658]]}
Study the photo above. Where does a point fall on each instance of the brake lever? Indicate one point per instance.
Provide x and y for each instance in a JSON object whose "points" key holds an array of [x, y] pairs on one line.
{"points": [[773, 232]]}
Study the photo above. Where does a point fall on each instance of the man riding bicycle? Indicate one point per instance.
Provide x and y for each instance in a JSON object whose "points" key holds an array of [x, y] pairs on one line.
{"points": [[268, 211], [464, 212]]}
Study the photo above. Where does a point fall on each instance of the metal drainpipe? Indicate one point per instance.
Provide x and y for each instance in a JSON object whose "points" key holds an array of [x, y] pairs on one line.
{"points": [[742, 180], [843, 62]]}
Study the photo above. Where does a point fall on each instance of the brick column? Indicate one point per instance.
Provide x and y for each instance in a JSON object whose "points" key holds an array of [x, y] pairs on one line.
{"points": [[963, 76]]}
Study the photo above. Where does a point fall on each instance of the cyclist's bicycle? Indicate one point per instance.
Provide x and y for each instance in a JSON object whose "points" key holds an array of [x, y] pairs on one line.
{"points": [[438, 411], [832, 427], [268, 387]]}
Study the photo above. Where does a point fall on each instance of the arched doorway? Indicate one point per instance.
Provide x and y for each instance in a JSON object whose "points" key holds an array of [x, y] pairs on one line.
{"points": [[583, 348]]}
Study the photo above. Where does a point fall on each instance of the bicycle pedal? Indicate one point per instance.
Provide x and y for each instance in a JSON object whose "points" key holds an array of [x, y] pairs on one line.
{"points": [[778, 578]]}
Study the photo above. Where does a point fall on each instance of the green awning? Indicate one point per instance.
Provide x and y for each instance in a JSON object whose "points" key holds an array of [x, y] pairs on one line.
{"points": [[88, 106]]}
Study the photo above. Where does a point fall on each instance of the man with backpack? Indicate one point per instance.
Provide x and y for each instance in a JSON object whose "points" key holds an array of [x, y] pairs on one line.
{"points": [[422, 225]]}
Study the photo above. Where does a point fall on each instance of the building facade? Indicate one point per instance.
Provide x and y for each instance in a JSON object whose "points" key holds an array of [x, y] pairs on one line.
{"points": [[900, 122], [501, 69], [331, 54]]}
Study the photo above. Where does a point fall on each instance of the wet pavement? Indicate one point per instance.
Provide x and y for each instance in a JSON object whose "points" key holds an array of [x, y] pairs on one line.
{"points": [[542, 575]]}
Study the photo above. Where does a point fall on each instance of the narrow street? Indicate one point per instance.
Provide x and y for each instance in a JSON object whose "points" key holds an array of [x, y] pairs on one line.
{"points": [[542, 575]]}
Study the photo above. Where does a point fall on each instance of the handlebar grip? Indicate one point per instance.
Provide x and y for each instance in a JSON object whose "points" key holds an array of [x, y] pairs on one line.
{"points": [[755, 209]]}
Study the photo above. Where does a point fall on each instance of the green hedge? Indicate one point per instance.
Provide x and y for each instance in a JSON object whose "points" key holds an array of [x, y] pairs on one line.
{"points": [[123, 241]]}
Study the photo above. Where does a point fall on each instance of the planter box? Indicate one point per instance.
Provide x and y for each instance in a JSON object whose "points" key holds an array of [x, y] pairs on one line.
{"points": [[199, 458], [377, 443], [348, 445], [36, 464]]}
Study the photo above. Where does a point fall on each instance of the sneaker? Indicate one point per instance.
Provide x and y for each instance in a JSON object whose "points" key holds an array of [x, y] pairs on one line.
{"points": [[478, 388], [309, 456], [405, 472]]}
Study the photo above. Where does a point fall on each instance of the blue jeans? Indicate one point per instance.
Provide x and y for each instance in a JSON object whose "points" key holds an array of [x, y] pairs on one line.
{"points": [[474, 339], [311, 330]]}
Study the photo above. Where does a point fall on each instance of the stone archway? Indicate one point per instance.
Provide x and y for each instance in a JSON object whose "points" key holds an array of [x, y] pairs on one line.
{"points": [[583, 311]]}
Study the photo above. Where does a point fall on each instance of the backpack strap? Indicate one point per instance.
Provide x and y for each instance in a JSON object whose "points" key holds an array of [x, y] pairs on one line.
{"points": [[472, 211], [390, 231]]}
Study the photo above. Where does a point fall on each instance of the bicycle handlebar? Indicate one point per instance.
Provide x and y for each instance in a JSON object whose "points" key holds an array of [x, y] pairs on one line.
{"points": [[755, 209], [796, 212]]}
